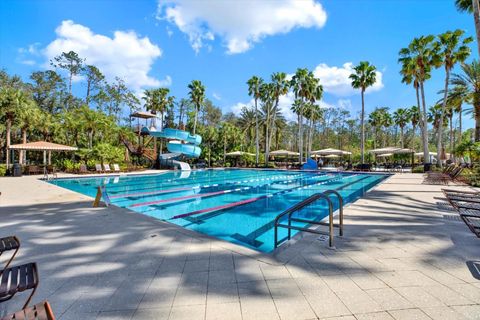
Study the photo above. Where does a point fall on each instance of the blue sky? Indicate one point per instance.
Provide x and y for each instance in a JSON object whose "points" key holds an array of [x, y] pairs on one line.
{"points": [[169, 43]]}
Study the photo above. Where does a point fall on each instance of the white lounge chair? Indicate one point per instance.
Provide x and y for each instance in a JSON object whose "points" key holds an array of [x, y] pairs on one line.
{"points": [[106, 168], [98, 168]]}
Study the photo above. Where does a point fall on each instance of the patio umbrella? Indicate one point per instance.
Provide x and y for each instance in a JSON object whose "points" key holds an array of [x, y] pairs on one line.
{"points": [[330, 151], [238, 154], [385, 155], [284, 153], [332, 156]]}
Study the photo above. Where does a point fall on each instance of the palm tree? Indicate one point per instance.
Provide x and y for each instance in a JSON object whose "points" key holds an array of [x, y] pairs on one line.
{"points": [[471, 6], [280, 87], [417, 60], [158, 101], [11, 101], [451, 50], [457, 96], [268, 100], [299, 87], [90, 120], [414, 116], [469, 84], [197, 96], [435, 116], [363, 77], [28, 117], [254, 84], [313, 113], [401, 118], [314, 93], [387, 122], [298, 107], [375, 121], [248, 123]]}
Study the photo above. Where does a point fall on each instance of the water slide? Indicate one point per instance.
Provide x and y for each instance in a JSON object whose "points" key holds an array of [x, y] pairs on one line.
{"points": [[181, 143]]}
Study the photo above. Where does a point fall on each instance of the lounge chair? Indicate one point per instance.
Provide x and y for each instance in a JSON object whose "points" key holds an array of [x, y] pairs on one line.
{"points": [[8, 244], [40, 311], [106, 168], [33, 170], [82, 169], [467, 204], [116, 168], [18, 279], [98, 168]]}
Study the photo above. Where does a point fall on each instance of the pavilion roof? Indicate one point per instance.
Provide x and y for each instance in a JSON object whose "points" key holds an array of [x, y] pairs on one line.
{"points": [[42, 146]]}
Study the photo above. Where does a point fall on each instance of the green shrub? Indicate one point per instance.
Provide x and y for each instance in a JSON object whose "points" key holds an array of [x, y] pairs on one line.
{"points": [[417, 169], [3, 170]]}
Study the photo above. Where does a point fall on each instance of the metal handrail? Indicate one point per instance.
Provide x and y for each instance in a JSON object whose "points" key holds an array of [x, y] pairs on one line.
{"points": [[301, 205], [340, 209]]}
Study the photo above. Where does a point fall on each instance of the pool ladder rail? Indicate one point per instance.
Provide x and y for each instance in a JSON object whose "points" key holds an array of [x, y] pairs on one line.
{"points": [[290, 211]]}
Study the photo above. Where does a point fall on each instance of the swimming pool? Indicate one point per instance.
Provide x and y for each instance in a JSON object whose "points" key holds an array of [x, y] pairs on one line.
{"points": [[236, 205]]}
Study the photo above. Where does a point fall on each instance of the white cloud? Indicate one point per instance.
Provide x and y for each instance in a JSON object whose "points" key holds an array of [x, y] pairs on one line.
{"points": [[216, 96], [126, 55], [27, 62], [335, 80], [345, 103], [240, 24], [237, 108]]}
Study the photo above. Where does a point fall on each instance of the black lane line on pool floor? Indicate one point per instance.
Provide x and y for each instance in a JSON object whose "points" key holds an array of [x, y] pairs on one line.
{"points": [[162, 204], [251, 237]]}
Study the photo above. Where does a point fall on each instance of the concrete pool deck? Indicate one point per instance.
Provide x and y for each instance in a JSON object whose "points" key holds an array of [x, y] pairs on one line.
{"points": [[404, 256]]}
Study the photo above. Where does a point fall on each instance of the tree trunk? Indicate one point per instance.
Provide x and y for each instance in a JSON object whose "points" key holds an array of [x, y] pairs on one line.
{"points": [[87, 99], [477, 120], [300, 147], [451, 135], [274, 118], [257, 143], [442, 116], [476, 18], [413, 137], [426, 154], [362, 120], [195, 120], [7, 144], [90, 139], [401, 136], [224, 149], [22, 157], [267, 146], [460, 123]]}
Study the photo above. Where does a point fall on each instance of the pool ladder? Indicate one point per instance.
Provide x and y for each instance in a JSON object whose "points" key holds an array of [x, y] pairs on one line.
{"points": [[290, 211]]}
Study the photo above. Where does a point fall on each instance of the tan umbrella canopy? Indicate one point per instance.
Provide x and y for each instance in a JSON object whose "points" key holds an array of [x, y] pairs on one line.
{"points": [[420, 154], [42, 146], [384, 150], [330, 151], [284, 153], [332, 156], [384, 155], [238, 154]]}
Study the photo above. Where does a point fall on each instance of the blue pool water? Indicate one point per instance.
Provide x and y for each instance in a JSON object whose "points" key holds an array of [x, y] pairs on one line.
{"points": [[235, 205]]}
